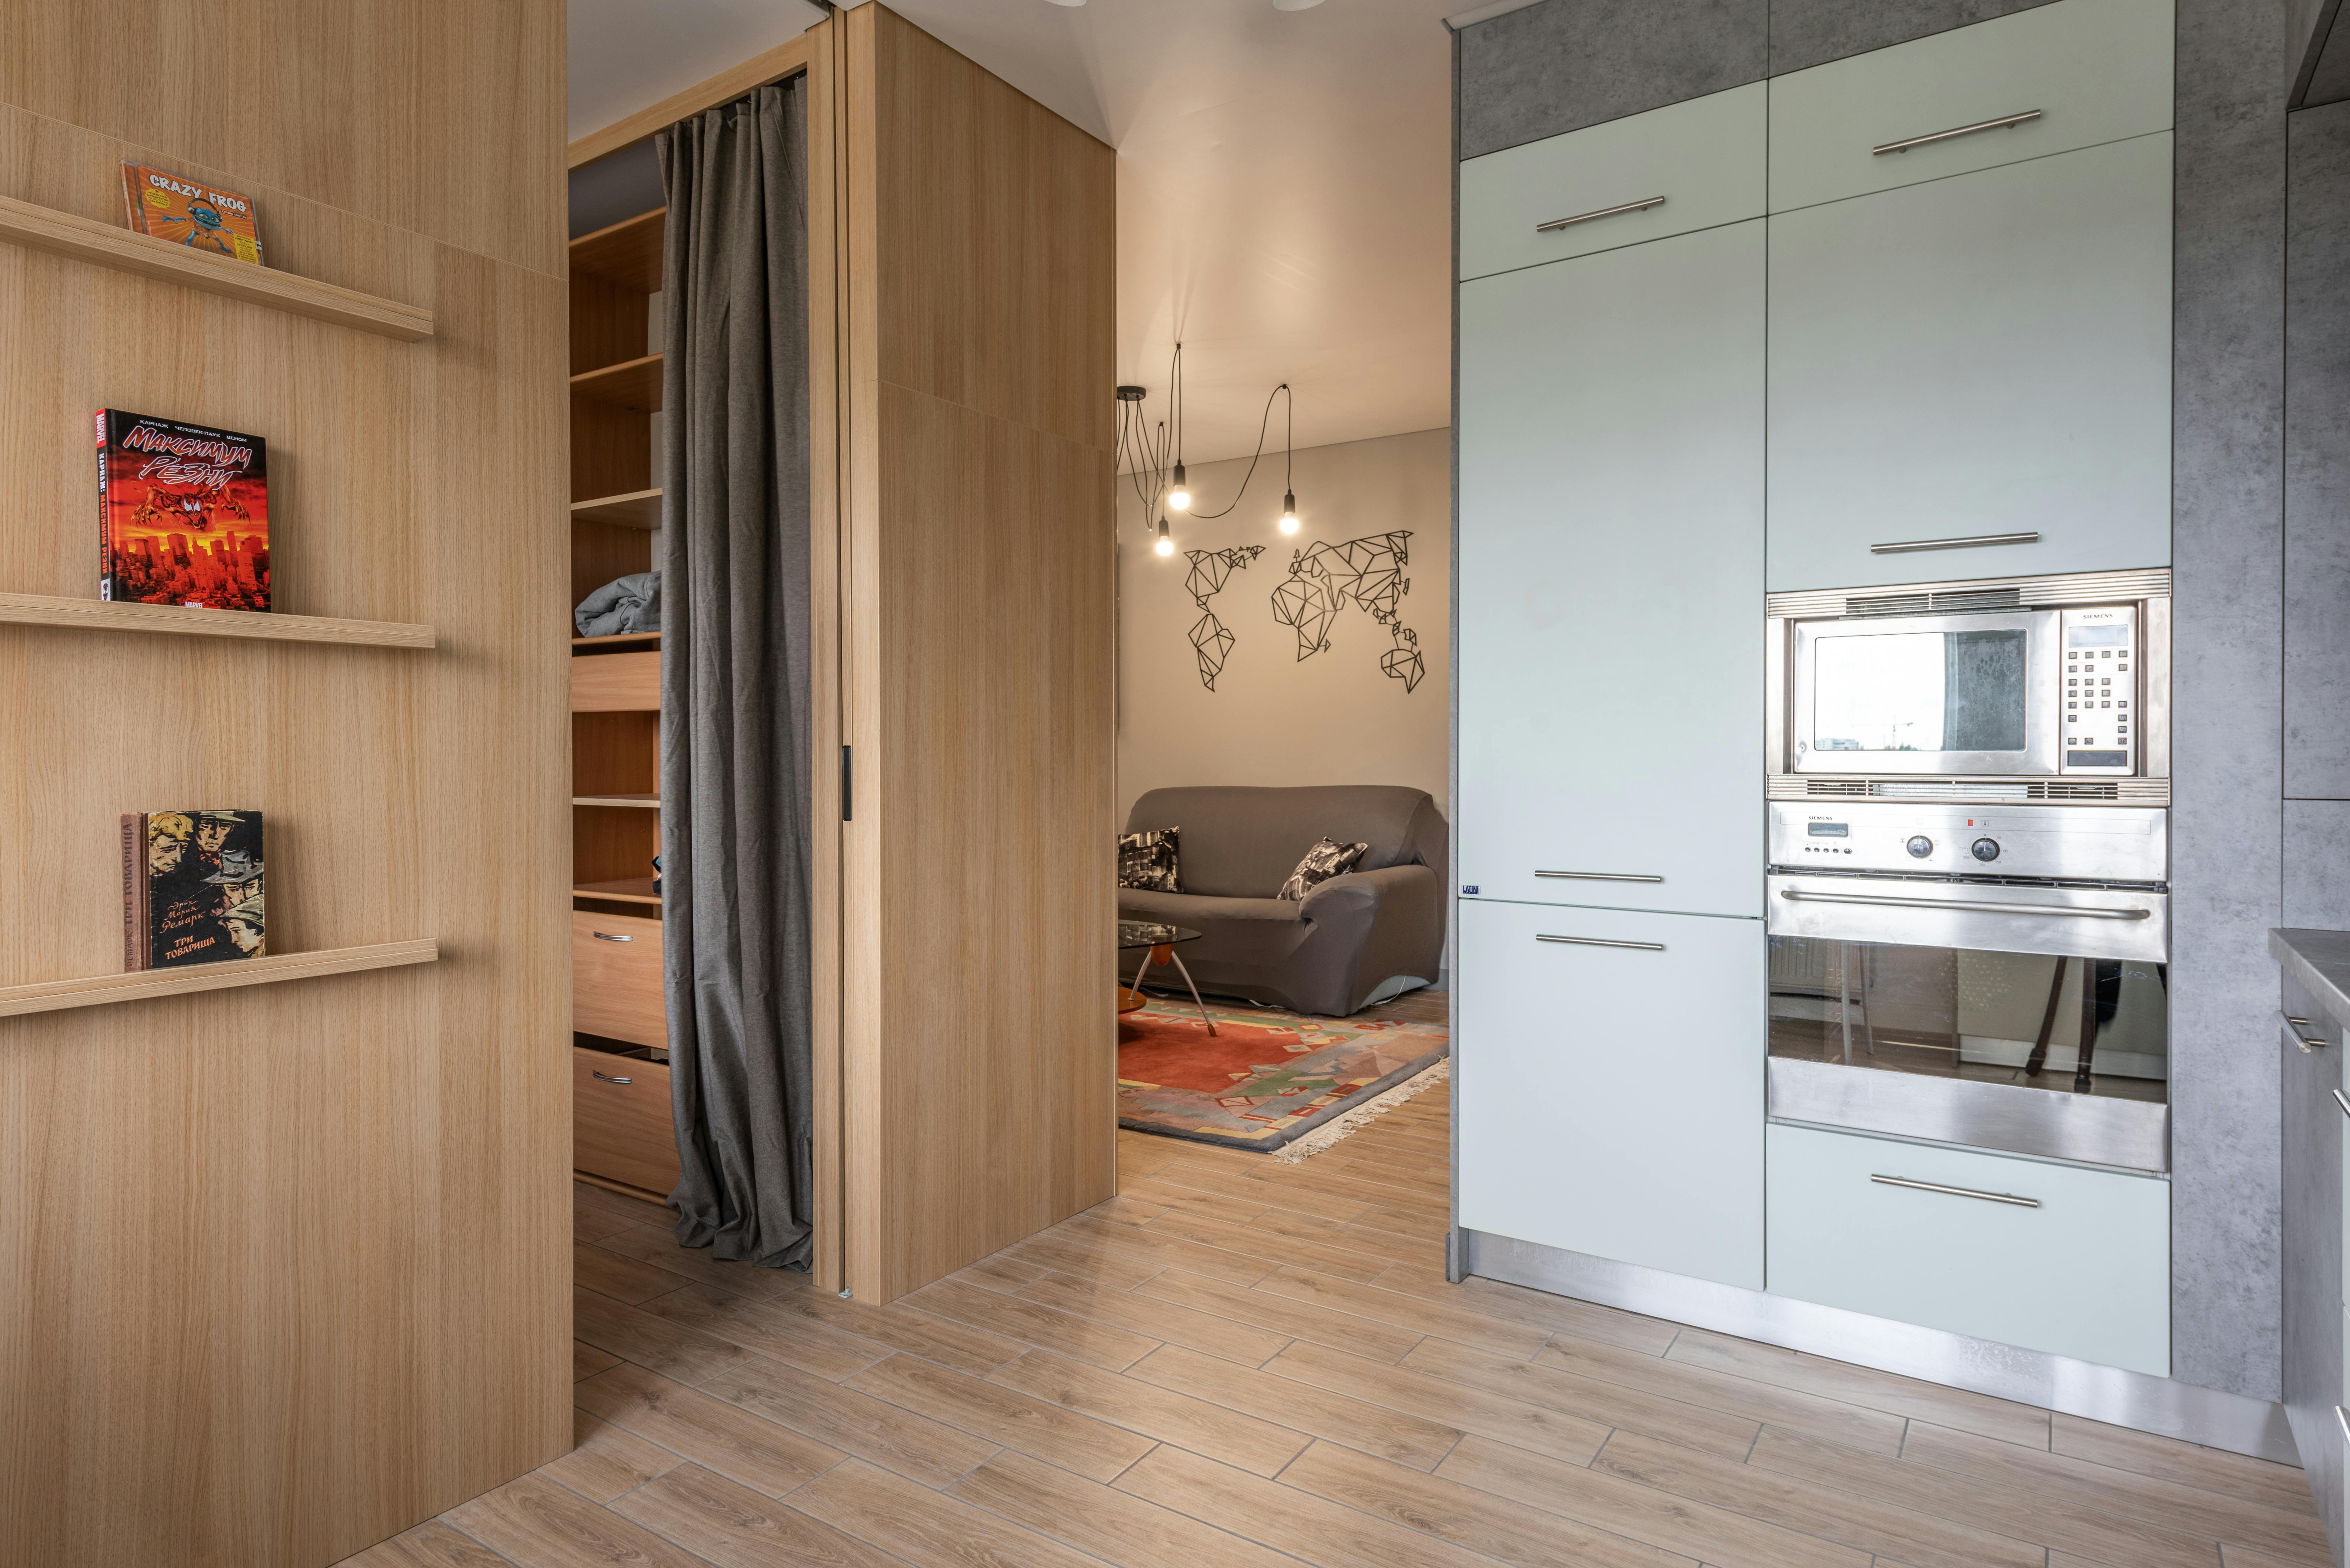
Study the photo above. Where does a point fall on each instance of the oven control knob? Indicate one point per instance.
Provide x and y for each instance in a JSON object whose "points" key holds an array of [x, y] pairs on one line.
{"points": [[1986, 849], [1921, 847]]}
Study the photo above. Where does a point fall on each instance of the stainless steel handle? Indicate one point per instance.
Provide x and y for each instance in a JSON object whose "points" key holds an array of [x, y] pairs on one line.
{"points": [[1603, 942], [2296, 1022], [1599, 876], [593, 1074], [1641, 206], [2086, 913], [609, 937], [2343, 1100], [2307, 1043], [2342, 1419], [1957, 1191], [2004, 122], [1903, 547]]}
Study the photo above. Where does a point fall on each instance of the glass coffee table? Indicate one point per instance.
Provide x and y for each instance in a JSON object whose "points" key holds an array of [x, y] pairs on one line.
{"points": [[1158, 943]]}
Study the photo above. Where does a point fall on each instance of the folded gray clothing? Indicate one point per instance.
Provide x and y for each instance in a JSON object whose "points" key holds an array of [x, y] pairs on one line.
{"points": [[625, 605]]}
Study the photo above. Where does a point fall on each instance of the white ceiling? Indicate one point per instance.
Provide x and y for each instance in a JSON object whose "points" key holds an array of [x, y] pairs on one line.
{"points": [[1283, 180]]}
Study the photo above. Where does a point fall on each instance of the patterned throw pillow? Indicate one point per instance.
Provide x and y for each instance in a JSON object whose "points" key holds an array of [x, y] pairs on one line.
{"points": [[1147, 860], [1326, 860]]}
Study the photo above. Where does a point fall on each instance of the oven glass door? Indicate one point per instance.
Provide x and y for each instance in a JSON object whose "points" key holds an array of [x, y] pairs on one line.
{"points": [[1927, 694]]}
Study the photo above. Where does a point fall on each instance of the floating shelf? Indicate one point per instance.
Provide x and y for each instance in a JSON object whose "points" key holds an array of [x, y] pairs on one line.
{"points": [[631, 384], [141, 986], [628, 254], [626, 890], [104, 244], [650, 802], [98, 615], [618, 639], [636, 509]]}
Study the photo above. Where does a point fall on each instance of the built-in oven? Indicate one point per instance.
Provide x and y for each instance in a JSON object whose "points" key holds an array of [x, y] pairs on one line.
{"points": [[1991, 975], [1948, 685]]}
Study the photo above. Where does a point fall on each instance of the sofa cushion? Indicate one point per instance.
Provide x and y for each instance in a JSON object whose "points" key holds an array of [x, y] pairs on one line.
{"points": [[1326, 860], [1148, 859], [1241, 841]]}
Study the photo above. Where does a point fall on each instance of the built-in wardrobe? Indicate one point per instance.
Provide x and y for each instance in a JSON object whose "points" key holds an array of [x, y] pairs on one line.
{"points": [[1831, 314], [961, 624]]}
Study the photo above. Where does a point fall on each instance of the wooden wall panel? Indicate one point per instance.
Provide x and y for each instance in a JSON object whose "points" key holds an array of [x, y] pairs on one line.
{"points": [[283, 1269], [978, 1041]]}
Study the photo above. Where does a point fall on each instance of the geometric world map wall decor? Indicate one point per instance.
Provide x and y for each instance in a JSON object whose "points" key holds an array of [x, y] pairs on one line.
{"points": [[1366, 573], [1211, 640]]}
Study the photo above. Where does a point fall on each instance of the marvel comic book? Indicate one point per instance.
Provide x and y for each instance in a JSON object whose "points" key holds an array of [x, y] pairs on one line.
{"points": [[183, 515], [191, 214], [191, 888]]}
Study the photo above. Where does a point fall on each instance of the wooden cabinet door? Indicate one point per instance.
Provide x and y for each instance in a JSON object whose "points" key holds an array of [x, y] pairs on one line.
{"points": [[1610, 572], [1984, 355], [1608, 1081]]}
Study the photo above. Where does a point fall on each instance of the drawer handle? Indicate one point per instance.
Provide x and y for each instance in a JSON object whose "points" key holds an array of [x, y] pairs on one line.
{"points": [[1970, 541], [2088, 912], [1957, 1191], [2342, 1419], [1603, 942], [2307, 1043], [593, 1074], [2004, 122], [1599, 876], [609, 937], [1603, 213], [2343, 1100]]}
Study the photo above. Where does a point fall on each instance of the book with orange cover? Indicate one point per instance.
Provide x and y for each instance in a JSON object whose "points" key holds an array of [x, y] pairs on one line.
{"points": [[183, 514], [191, 214]]}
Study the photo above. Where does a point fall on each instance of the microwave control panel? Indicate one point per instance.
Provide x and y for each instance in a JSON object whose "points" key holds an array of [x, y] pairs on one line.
{"points": [[2102, 709], [2067, 843]]}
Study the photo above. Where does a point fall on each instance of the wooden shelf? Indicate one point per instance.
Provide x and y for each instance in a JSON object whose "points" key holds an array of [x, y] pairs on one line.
{"points": [[636, 509], [97, 615], [634, 384], [618, 639], [628, 254], [104, 244], [651, 802], [626, 890], [141, 986]]}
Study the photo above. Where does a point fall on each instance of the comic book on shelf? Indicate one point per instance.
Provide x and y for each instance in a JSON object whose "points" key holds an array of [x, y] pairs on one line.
{"points": [[183, 514], [190, 213], [192, 888]]}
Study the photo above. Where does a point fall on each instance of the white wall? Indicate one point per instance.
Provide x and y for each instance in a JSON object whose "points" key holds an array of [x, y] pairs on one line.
{"points": [[1334, 717]]}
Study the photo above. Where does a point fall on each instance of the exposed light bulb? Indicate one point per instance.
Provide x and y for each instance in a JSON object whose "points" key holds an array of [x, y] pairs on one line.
{"points": [[1289, 512], [1166, 546], [1180, 497]]}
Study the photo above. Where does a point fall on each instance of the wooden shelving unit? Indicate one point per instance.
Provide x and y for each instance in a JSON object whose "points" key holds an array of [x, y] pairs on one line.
{"points": [[141, 986], [622, 639], [112, 246], [640, 509], [648, 800], [632, 384], [97, 615], [621, 890], [628, 254]]}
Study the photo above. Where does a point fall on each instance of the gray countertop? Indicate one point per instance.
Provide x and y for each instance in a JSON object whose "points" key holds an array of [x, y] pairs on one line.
{"points": [[2320, 961]]}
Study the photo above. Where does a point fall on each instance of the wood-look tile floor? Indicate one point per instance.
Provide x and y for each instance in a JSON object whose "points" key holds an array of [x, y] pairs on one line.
{"points": [[1241, 1362]]}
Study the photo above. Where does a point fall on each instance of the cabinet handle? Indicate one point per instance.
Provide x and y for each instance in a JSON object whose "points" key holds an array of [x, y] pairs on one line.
{"points": [[1955, 1191], [2342, 1419], [1903, 547], [2004, 122], [2086, 912], [2341, 1100], [593, 1074], [1641, 206], [2307, 1043], [1599, 876], [1603, 942], [609, 937]]}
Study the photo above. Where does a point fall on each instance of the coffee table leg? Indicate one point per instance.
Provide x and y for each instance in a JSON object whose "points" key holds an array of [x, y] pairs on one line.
{"points": [[1136, 989], [1195, 991]]}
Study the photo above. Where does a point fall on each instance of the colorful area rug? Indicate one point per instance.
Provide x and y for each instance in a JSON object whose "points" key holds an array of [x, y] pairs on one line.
{"points": [[1265, 1077]]}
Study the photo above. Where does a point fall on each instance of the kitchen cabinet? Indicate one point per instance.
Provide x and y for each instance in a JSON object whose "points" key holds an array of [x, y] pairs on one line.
{"points": [[2066, 1259], [2315, 1195], [1983, 355], [1610, 577], [1609, 1085]]}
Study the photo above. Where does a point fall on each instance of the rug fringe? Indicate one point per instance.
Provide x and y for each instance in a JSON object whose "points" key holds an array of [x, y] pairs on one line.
{"points": [[1322, 1138]]}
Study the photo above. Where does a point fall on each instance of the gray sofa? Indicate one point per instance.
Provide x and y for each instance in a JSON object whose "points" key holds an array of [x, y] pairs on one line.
{"points": [[1362, 938]]}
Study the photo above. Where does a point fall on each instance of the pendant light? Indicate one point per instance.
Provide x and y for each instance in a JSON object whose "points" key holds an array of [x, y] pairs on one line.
{"points": [[1289, 463], [1180, 497], [1166, 546]]}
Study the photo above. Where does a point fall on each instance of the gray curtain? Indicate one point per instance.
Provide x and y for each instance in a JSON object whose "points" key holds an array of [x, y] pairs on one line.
{"points": [[734, 674]]}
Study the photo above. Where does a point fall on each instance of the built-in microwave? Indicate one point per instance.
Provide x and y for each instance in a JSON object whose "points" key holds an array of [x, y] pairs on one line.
{"points": [[1962, 688]]}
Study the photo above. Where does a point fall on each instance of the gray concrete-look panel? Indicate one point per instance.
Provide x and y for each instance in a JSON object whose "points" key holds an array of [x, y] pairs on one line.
{"points": [[2318, 459], [1565, 64], [2317, 863], [1814, 32], [2227, 671]]}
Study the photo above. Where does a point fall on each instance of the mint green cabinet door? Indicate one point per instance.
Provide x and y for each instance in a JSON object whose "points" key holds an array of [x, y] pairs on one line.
{"points": [[1607, 1079], [1610, 578], [1984, 355]]}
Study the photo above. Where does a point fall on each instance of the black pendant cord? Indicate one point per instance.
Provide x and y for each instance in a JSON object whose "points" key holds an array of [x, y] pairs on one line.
{"points": [[1140, 454], [1263, 424]]}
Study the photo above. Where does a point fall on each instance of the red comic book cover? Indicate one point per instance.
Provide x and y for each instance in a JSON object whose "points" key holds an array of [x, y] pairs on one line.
{"points": [[183, 513], [191, 214]]}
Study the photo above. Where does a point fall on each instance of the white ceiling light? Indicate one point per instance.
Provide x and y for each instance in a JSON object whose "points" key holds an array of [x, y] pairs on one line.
{"points": [[1069, 3], [1277, 5]]}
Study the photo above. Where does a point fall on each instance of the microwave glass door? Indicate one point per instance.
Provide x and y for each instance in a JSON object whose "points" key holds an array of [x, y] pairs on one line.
{"points": [[1946, 694]]}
